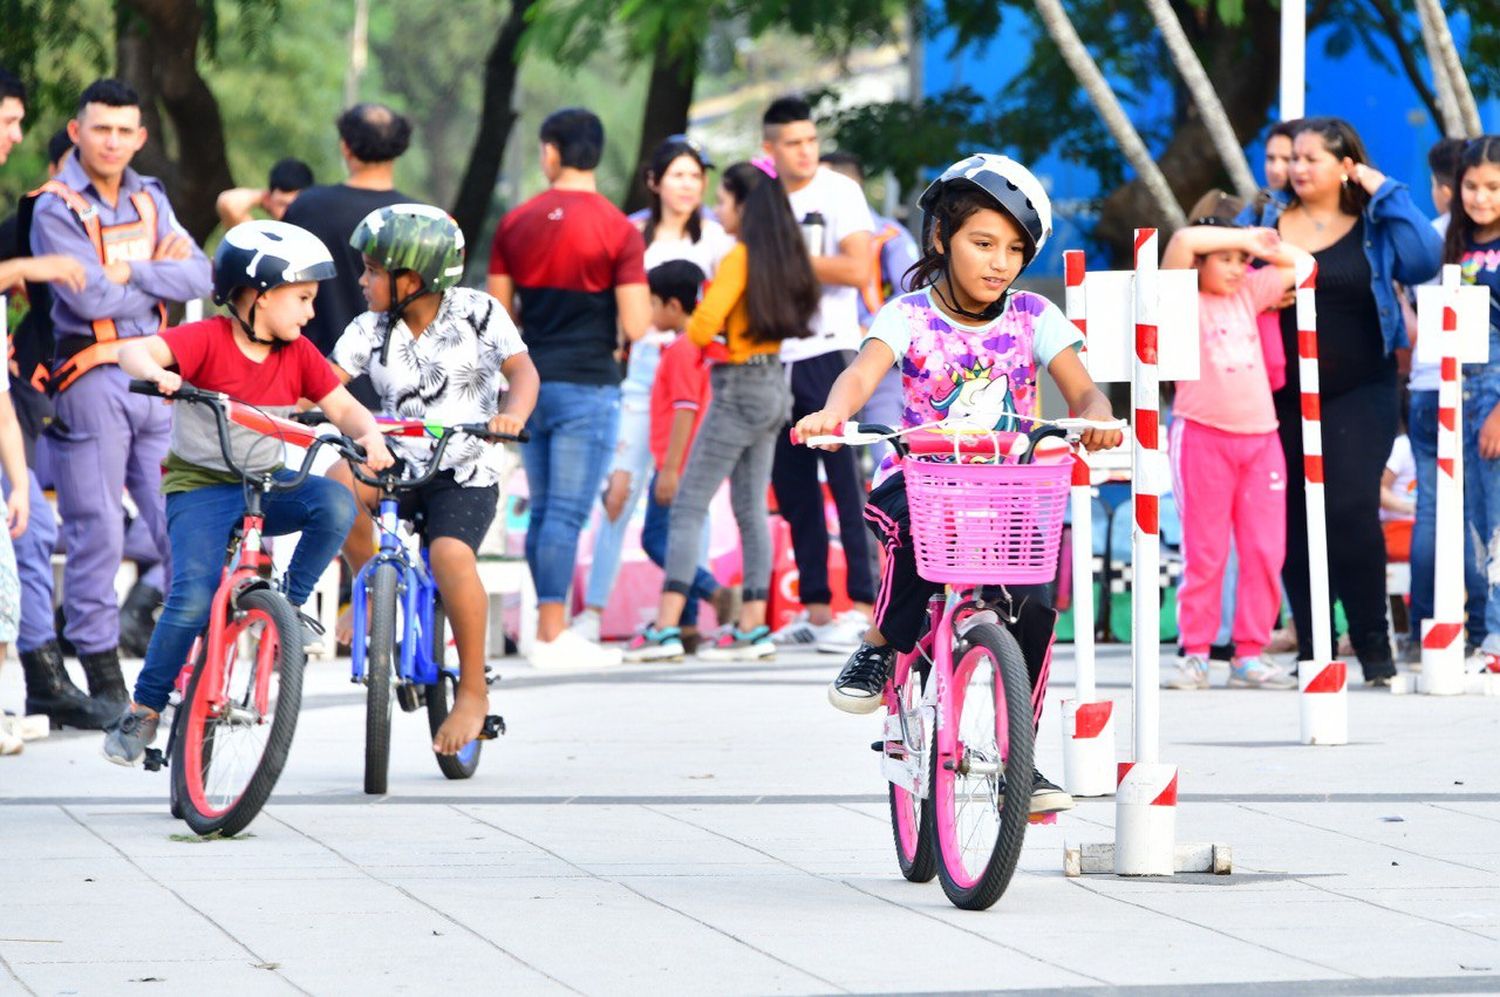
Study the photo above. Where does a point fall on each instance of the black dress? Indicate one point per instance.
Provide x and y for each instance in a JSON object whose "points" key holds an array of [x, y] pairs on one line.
{"points": [[1358, 388]]}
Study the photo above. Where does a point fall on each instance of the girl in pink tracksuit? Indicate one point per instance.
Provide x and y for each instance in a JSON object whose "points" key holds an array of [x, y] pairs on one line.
{"points": [[1229, 473]]}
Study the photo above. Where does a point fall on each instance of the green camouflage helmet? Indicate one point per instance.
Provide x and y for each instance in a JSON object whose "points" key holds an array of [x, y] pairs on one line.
{"points": [[416, 237]]}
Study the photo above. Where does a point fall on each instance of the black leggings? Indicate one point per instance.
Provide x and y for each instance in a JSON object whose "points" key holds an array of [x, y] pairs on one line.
{"points": [[1359, 427], [794, 476]]}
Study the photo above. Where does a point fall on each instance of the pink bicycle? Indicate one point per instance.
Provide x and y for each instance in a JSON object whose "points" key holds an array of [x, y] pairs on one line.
{"points": [[986, 512]]}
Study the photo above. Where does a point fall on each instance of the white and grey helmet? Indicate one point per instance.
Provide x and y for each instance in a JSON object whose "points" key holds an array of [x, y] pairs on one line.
{"points": [[267, 254], [1014, 189]]}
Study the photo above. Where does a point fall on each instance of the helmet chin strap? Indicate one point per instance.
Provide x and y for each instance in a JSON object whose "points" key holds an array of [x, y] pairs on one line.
{"points": [[395, 313], [248, 325], [950, 301]]}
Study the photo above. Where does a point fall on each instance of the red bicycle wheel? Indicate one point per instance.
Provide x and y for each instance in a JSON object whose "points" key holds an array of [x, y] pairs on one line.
{"points": [[237, 726]]}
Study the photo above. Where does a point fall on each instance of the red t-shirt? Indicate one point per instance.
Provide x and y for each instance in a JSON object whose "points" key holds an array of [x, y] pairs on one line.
{"points": [[567, 251], [208, 358], [681, 383]]}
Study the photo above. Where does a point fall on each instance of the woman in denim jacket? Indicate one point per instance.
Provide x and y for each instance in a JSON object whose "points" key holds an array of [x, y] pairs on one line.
{"points": [[1366, 234]]}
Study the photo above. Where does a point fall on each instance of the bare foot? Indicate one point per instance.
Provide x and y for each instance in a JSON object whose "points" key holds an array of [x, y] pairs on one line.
{"points": [[343, 630], [463, 724]]}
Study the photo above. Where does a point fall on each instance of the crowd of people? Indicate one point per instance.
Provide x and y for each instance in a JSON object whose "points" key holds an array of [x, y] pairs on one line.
{"points": [[660, 355]]}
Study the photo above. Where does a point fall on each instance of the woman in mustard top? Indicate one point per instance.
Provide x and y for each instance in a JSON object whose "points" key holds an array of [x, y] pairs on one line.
{"points": [[764, 292]]}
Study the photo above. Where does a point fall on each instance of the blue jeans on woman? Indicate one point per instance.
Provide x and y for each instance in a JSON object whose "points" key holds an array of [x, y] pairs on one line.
{"points": [[572, 434], [198, 525], [1421, 430]]}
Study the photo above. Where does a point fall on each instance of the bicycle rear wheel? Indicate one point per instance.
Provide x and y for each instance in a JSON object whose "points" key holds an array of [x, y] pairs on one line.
{"points": [[378, 664], [911, 817], [440, 702], [236, 732], [980, 814]]}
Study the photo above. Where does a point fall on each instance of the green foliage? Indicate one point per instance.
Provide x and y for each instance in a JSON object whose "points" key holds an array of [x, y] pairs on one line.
{"points": [[935, 130]]}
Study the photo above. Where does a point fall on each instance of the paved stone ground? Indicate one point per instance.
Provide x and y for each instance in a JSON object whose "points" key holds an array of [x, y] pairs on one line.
{"points": [[719, 829]]}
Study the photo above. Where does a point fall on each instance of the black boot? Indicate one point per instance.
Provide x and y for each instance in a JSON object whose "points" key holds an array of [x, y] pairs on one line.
{"points": [[138, 619], [106, 684], [50, 691]]}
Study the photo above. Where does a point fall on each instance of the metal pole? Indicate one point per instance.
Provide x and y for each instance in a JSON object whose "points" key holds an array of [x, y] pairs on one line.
{"points": [[1145, 596]]}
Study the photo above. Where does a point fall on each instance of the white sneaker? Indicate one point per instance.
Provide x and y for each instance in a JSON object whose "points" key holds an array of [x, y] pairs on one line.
{"points": [[844, 634], [570, 652], [800, 632], [1191, 673], [586, 625]]}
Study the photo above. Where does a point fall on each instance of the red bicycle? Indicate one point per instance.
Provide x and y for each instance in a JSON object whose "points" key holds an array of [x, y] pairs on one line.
{"points": [[233, 729]]}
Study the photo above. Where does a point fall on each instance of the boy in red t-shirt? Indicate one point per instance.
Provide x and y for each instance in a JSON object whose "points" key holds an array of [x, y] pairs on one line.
{"points": [[267, 273], [679, 397]]}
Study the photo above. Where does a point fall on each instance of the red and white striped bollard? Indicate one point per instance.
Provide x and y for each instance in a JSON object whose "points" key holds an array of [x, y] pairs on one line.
{"points": [[1323, 681], [1145, 800], [1088, 724], [1442, 636]]}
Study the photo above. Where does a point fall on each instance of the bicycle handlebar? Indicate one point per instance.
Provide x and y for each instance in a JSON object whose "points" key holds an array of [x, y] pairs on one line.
{"points": [[388, 482], [867, 433], [219, 403]]}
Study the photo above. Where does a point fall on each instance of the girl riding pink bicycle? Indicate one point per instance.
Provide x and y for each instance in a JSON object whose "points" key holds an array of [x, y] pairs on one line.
{"points": [[969, 348]]}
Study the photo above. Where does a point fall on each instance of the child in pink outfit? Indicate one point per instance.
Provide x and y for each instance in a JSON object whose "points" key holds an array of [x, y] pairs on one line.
{"points": [[1228, 468]]}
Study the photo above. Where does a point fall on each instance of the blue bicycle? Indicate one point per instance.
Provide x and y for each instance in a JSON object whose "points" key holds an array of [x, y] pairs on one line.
{"points": [[395, 602]]}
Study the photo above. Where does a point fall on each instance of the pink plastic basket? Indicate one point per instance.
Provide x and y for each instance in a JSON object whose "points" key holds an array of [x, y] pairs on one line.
{"points": [[987, 524]]}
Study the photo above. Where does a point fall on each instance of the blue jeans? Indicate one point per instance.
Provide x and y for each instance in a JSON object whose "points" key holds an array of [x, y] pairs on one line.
{"points": [[632, 454], [34, 550], [654, 543], [572, 433], [1482, 511], [1421, 429], [198, 524]]}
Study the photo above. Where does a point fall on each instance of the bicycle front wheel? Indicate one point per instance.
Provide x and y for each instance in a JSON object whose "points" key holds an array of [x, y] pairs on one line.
{"points": [[440, 702], [236, 729], [982, 792], [378, 665], [911, 816]]}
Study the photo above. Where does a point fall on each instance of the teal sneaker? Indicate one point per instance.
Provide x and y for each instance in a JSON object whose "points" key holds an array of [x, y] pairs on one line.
{"points": [[734, 644]]}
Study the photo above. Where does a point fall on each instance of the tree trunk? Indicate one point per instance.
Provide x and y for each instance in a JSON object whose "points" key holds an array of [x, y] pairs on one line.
{"points": [[1061, 29], [668, 99], [161, 52], [1210, 108], [1247, 99], [496, 117], [1439, 42]]}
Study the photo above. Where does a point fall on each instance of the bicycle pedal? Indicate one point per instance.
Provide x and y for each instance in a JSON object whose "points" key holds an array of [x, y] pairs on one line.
{"points": [[154, 760], [494, 726], [411, 697], [490, 678], [878, 747]]}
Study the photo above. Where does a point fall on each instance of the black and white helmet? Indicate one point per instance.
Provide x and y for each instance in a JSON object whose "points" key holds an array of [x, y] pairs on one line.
{"points": [[267, 254], [1013, 187]]}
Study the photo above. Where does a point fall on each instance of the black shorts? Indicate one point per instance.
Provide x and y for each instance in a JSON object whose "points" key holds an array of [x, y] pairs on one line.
{"points": [[444, 508]]}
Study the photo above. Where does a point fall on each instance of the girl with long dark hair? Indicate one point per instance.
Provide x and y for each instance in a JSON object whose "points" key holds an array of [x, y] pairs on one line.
{"points": [[764, 292]]}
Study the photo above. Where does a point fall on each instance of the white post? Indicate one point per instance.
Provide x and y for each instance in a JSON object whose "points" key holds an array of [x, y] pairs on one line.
{"points": [[1088, 726], [1293, 58], [1146, 797], [1145, 600], [1442, 636], [1324, 698], [193, 311]]}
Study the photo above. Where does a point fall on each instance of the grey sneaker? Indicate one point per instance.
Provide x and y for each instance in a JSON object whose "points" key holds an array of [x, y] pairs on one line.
{"points": [[1047, 797], [1259, 673], [1191, 673], [126, 742]]}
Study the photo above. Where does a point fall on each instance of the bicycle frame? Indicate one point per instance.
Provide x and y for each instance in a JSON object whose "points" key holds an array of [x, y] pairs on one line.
{"points": [[416, 591], [937, 713]]}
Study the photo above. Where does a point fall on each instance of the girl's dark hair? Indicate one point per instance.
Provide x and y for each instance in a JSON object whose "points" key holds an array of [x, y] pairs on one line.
{"points": [[1460, 239], [666, 154], [1341, 140], [781, 292], [955, 204]]}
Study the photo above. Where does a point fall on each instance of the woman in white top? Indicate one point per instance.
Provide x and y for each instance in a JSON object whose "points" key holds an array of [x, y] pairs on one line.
{"points": [[676, 227]]}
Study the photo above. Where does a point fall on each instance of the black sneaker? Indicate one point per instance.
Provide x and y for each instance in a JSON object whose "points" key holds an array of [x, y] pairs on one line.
{"points": [[860, 684], [1047, 797]]}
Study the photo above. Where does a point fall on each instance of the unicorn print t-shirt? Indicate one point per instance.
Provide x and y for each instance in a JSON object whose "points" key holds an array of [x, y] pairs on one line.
{"points": [[985, 374]]}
